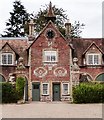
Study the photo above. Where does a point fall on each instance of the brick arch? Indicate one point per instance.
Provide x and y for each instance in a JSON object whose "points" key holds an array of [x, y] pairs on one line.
{"points": [[2, 78], [88, 75], [100, 77], [26, 88]]}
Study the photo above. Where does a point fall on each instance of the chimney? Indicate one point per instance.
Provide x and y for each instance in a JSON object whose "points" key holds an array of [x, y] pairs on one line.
{"points": [[31, 30], [68, 29]]}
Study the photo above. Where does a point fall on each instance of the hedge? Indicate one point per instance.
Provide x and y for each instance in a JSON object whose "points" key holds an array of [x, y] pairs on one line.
{"points": [[8, 93], [20, 83], [88, 93]]}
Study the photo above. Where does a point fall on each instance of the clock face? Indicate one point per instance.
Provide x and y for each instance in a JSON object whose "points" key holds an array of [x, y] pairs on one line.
{"points": [[50, 34]]}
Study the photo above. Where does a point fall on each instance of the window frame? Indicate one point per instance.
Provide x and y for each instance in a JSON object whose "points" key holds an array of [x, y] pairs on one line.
{"points": [[63, 93], [50, 56], [93, 58], [47, 88], [7, 60]]}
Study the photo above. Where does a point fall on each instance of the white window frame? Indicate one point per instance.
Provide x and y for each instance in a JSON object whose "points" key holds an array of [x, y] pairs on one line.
{"points": [[93, 62], [55, 53], [47, 88], [7, 58], [63, 89]]}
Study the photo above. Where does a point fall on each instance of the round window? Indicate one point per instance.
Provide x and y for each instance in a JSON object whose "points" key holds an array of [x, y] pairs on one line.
{"points": [[50, 34]]}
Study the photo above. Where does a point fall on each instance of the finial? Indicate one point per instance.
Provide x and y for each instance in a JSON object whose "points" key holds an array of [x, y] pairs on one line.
{"points": [[50, 14]]}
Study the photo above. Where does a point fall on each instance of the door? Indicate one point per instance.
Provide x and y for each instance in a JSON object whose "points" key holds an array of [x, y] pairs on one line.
{"points": [[36, 91], [56, 92]]}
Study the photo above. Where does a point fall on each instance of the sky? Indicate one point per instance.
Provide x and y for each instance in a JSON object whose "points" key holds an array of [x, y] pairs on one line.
{"points": [[88, 12]]}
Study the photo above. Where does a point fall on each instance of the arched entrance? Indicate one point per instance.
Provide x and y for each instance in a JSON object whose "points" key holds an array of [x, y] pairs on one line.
{"points": [[2, 78], [26, 90], [85, 77], [100, 77]]}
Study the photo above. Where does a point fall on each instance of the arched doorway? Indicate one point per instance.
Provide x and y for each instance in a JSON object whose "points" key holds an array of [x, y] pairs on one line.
{"points": [[26, 90], [100, 77], [2, 78]]}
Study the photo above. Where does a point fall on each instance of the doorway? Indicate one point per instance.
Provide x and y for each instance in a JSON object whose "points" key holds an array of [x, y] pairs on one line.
{"points": [[36, 91], [56, 91]]}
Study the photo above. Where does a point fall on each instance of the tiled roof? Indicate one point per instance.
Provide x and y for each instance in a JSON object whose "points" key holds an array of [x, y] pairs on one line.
{"points": [[18, 44], [81, 44]]}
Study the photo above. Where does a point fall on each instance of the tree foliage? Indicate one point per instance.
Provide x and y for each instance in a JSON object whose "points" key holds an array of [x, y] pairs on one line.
{"points": [[89, 93], [20, 83], [15, 24], [8, 93], [61, 18], [40, 20]]}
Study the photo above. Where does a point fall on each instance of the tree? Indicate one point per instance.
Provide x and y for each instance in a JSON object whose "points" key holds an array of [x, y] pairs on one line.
{"points": [[15, 24], [61, 17], [20, 83], [76, 29]]}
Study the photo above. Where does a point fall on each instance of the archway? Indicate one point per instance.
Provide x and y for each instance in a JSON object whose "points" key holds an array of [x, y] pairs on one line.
{"points": [[2, 78], [85, 77], [26, 90], [100, 77]]}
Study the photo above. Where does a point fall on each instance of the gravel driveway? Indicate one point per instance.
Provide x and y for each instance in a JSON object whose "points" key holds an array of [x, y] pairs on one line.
{"points": [[51, 110]]}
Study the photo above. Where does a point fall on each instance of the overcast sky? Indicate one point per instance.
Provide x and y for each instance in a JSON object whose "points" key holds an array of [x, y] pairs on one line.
{"points": [[88, 12]]}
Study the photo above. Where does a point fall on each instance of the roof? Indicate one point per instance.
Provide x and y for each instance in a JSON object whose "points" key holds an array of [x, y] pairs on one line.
{"points": [[50, 11], [17, 44], [9, 46], [55, 28], [80, 46]]}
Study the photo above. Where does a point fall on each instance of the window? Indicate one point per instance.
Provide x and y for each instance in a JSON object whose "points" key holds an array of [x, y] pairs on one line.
{"points": [[93, 59], [100, 77], [65, 88], [50, 34], [45, 88], [7, 59], [50, 56]]}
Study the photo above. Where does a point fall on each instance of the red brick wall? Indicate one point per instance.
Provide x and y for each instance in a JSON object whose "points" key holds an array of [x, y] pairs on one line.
{"points": [[93, 71], [37, 56]]}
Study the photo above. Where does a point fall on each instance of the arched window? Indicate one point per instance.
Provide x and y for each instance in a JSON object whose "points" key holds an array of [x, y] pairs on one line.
{"points": [[100, 77], [2, 79]]}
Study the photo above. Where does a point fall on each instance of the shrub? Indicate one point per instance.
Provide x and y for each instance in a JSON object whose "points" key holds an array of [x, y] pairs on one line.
{"points": [[20, 83], [88, 93], [9, 94]]}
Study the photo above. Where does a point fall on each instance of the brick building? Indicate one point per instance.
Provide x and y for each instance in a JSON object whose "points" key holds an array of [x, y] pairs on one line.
{"points": [[51, 63]]}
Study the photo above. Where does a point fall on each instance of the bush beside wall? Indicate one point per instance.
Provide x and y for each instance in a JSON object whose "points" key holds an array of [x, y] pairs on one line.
{"points": [[9, 94], [20, 83], [88, 93]]}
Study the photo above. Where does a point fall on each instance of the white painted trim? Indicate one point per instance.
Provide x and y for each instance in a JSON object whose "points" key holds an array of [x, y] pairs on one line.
{"points": [[56, 55], [47, 89], [63, 88], [60, 74], [99, 58], [38, 74], [7, 54]]}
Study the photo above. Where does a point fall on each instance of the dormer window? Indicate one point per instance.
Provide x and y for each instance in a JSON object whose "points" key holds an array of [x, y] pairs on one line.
{"points": [[7, 59], [93, 59]]}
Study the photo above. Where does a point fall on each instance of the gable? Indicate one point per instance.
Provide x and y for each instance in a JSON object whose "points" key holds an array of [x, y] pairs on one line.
{"points": [[93, 48], [8, 48], [57, 34]]}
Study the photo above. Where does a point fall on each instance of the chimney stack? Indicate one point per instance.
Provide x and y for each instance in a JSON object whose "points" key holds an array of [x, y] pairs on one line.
{"points": [[68, 29], [31, 28]]}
